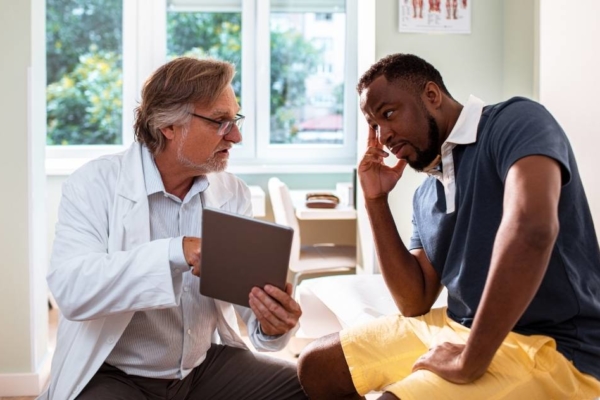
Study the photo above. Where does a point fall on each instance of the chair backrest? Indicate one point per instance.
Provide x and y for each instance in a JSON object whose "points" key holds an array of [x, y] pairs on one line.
{"points": [[283, 211]]}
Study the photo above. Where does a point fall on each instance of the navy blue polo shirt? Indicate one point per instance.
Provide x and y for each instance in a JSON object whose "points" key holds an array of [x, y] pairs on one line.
{"points": [[459, 245]]}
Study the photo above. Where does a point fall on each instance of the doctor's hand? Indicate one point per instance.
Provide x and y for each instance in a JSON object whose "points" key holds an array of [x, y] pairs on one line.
{"points": [[191, 251], [275, 309], [377, 179]]}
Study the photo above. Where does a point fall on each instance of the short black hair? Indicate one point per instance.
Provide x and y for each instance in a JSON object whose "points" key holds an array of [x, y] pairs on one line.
{"points": [[408, 68]]}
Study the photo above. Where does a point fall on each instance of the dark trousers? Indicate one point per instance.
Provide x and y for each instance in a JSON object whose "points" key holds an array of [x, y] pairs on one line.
{"points": [[226, 373]]}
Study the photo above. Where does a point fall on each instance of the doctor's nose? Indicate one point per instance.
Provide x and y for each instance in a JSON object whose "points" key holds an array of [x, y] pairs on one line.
{"points": [[234, 135]]}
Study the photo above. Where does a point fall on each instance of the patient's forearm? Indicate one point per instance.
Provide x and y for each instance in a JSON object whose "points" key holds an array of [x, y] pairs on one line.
{"points": [[401, 270]]}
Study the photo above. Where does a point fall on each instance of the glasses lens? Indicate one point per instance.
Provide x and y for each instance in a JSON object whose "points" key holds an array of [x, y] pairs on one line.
{"points": [[239, 122], [225, 128]]}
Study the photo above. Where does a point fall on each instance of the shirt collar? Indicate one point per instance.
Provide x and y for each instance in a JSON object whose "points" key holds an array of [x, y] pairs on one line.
{"points": [[153, 180], [464, 132], [465, 129]]}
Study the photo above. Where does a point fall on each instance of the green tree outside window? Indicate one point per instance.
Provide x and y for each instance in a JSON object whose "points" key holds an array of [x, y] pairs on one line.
{"points": [[85, 73]]}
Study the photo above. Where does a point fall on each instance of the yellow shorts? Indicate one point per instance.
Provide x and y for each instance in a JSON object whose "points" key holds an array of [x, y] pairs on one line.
{"points": [[381, 355]]}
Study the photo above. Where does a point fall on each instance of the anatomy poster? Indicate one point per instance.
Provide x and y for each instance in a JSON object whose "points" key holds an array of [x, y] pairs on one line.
{"points": [[425, 16]]}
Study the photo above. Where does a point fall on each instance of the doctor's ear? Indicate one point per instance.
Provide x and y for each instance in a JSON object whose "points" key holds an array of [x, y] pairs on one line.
{"points": [[168, 132]]}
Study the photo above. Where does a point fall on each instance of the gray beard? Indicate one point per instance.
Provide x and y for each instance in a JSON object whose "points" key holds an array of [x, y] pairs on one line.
{"points": [[211, 165]]}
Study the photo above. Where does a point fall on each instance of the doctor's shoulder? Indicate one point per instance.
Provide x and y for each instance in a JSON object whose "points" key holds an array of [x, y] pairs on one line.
{"points": [[97, 175]]}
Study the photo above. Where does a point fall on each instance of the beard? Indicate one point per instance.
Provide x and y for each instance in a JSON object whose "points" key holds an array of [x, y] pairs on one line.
{"points": [[425, 157], [212, 164]]}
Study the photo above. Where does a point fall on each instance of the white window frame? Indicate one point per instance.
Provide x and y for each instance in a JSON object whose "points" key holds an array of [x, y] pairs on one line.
{"points": [[143, 28], [144, 50], [306, 153]]}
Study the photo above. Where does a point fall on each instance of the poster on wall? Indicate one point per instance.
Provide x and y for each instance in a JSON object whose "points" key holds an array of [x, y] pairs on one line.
{"points": [[429, 16]]}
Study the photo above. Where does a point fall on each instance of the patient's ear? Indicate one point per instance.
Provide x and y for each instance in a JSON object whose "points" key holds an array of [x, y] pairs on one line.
{"points": [[432, 95], [168, 132]]}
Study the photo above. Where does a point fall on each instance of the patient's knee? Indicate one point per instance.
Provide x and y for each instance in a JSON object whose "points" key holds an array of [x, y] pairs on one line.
{"points": [[324, 373], [323, 362], [313, 359]]}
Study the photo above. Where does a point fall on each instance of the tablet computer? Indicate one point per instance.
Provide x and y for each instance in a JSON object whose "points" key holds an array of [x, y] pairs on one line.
{"points": [[240, 252]]}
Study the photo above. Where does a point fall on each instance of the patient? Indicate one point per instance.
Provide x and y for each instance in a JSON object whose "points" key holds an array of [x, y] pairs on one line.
{"points": [[136, 326], [501, 221]]}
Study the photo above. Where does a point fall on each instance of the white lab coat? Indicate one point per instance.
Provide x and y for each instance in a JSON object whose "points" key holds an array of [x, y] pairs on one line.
{"points": [[104, 266]]}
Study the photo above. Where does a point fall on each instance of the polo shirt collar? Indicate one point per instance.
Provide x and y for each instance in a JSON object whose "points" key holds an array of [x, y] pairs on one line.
{"points": [[464, 132], [465, 129]]}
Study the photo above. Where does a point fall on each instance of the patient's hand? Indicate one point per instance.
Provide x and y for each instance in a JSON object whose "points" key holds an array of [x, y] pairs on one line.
{"points": [[447, 361], [275, 309]]}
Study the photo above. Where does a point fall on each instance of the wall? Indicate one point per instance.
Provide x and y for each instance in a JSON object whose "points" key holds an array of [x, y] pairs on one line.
{"points": [[570, 82], [521, 50], [24, 352]]}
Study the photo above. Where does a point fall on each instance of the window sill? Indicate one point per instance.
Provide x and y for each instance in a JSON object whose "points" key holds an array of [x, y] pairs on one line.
{"points": [[65, 166], [291, 169]]}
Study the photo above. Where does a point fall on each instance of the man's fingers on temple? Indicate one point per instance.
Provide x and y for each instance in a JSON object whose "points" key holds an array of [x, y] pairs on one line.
{"points": [[372, 137]]}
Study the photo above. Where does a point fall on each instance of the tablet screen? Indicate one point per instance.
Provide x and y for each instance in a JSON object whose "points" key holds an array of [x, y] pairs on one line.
{"points": [[240, 252]]}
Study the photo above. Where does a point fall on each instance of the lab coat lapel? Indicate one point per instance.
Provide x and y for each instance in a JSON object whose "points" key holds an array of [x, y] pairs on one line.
{"points": [[131, 203]]}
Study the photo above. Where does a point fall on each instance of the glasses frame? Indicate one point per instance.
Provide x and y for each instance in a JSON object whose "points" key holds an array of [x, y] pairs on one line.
{"points": [[226, 125]]}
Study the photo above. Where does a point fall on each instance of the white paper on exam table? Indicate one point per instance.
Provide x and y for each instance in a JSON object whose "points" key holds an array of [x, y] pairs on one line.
{"points": [[351, 299]]}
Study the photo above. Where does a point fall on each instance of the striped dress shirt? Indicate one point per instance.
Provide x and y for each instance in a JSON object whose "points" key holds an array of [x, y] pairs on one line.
{"points": [[169, 343]]}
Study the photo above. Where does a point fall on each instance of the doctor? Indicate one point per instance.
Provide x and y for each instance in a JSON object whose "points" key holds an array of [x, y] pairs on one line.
{"points": [[135, 325]]}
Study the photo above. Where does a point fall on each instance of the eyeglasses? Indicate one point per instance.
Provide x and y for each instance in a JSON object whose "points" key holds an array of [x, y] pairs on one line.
{"points": [[226, 124]]}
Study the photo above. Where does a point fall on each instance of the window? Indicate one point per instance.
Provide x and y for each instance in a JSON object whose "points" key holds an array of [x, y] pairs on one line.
{"points": [[84, 72], [295, 80], [323, 16], [207, 34]]}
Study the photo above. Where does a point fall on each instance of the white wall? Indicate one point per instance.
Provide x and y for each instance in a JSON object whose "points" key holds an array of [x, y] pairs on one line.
{"points": [[521, 50], [24, 352], [570, 82]]}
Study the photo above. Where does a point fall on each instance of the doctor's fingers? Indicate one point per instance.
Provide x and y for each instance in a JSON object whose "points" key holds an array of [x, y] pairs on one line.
{"points": [[196, 269], [270, 310], [269, 323], [191, 249], [284, 298]]}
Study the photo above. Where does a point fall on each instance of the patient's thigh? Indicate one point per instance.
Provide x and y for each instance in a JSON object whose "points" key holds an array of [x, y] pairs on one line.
{"points": [[383, 351]]}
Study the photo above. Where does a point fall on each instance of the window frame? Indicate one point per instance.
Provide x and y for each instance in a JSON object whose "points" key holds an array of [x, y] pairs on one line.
{"points": [[144, 30], [306, 153]]}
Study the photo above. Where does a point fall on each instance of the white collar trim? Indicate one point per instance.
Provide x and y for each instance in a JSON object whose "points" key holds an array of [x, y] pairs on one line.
{"points": [[464, 132]]}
